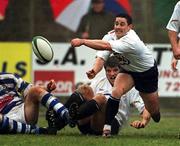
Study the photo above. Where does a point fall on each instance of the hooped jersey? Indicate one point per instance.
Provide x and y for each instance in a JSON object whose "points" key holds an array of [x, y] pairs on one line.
{"points": [[132, 53], [12, 89]]}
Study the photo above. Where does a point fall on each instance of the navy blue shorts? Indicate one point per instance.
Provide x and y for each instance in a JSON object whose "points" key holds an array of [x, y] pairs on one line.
{"points": [[146, 82]]}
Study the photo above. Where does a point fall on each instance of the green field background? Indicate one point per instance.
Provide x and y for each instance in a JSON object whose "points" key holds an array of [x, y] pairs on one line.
{"points": [[164, 133]]}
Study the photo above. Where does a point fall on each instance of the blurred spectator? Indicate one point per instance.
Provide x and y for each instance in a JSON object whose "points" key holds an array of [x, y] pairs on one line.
{"points": [[96, 23]]}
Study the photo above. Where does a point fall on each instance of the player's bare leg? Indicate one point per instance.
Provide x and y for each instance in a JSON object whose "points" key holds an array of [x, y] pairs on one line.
{"points": [[152, 105], [38, 95]]}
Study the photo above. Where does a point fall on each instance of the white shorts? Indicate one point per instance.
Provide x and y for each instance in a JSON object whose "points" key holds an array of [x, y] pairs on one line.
{"points": [[17, 113]]}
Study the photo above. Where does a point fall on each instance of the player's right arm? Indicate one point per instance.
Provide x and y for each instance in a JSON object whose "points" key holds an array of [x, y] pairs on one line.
{"points": [[143, 122], [137, 102]]}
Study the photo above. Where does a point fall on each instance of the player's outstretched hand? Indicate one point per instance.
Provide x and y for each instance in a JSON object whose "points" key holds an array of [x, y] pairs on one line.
{"points": [[91, 74], [77, 42], [51, 86], [174, 64], [137, 124]]}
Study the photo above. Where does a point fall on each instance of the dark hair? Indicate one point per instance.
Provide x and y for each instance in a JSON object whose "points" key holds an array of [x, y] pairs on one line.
{"points": [[112, 61], [97, 1], [126, 16]]}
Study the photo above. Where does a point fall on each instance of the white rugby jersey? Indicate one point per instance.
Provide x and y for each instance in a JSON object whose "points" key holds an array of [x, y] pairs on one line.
{"points": [[101, 85], [174, 22], [128, 100], [132, 53], [11, 87]]}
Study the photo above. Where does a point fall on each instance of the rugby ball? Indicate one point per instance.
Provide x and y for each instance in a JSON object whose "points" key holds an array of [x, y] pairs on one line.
{"points": [[42, 49]]}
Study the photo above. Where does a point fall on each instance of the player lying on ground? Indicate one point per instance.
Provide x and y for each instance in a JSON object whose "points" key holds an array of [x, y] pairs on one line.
{"points": [[139, 67], [19, 105], [87, 105]]}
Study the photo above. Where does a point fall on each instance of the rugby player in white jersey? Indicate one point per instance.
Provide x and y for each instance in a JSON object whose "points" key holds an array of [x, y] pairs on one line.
{"points": [[88, 103], [19, 105], [173, 28], [139, 67]]}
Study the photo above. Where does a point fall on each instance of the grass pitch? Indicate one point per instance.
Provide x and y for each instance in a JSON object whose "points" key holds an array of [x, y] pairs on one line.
{"points": [[164, 133]]}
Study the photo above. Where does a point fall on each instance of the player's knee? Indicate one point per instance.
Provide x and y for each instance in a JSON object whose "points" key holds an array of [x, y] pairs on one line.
{"points": [[100, 100], [117, 93], [86, 91], [36, 92]]}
